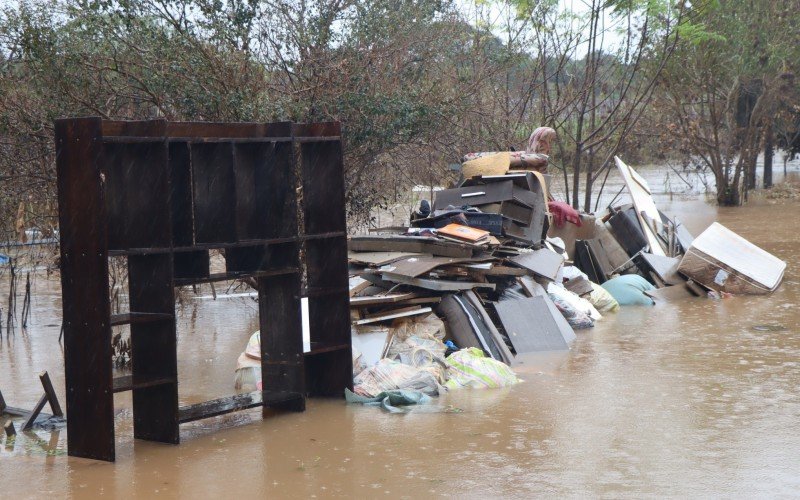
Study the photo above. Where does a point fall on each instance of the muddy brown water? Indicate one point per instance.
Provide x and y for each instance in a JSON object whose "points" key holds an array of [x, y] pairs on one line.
{"points": [[697, 398]]}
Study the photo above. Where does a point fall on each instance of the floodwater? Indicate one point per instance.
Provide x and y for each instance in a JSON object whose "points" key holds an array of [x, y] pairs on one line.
{"points": [[696, 398]]}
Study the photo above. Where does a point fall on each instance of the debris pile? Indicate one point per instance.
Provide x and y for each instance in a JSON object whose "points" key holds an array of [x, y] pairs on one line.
{"points": [[494, 268]]}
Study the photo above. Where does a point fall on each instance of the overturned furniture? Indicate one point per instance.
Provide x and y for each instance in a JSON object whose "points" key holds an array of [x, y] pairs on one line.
{"points": [[162, 195]]}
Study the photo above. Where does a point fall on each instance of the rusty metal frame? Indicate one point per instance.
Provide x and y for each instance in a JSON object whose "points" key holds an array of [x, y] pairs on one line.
{"points": [[162, 194]]}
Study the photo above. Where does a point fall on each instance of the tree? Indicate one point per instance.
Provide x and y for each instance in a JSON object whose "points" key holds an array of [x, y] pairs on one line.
{"points": [[731, 77]]}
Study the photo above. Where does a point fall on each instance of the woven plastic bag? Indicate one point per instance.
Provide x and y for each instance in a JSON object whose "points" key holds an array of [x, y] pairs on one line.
{"points": [[470, 368], [603, 301], [388, 375]]}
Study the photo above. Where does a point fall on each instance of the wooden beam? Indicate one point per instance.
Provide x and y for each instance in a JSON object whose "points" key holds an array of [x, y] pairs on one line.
{"points": [[51, 394], [35, 413]]}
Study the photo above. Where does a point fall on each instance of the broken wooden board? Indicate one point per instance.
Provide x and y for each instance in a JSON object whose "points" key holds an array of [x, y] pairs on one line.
{"points": [[579, 286], [439, 285], [357, 284], [379, 258], [608, 250], [666, 268], [393, 315], [643, 201], [543, 262], [412, 244], [413, 267], [380, 299], [532, 326], [531, 287]]}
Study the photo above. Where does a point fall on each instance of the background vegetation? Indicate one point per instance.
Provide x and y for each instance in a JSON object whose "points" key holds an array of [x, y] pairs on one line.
{"points": [[416, 83]]}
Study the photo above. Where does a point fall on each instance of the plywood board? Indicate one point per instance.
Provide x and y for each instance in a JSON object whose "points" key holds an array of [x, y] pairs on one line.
{"points": [[543, 262]]}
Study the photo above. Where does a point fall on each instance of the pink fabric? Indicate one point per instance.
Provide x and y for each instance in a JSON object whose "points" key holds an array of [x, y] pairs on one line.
{"points": [[563, 213]]}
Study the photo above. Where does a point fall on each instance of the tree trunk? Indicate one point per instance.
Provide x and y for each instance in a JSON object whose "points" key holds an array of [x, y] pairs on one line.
{"points": [[768, 154], [750, 171], [728, 194], [587, 201], [576, 167]]}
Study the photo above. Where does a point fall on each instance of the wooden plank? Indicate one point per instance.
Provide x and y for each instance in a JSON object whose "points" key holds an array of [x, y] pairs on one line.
{"points": [[128, 318], [50, 393], [357, 284], [413, 244], [385, 317], [264, 181], [35, 413], [214, 193], [9, 428], [126, 383], [440, 285], [84, 287], [323, 187], [3, 405], [543, 262], [238, 402], [388, 311], [280, 321], [330, 373], [154, 349], [180, 172], [421, 300], [380, 258], [413, 267], [380, 299]]}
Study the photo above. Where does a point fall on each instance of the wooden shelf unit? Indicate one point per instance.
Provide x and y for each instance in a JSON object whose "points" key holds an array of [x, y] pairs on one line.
{"points": [[162, 195]]}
